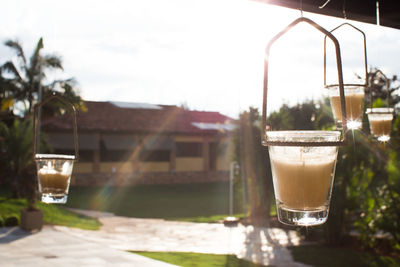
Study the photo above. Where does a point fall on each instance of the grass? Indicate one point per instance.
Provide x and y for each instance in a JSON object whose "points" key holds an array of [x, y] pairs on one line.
{"points": [[52, 214], [186, 259], [331, 257], [206, 202]]}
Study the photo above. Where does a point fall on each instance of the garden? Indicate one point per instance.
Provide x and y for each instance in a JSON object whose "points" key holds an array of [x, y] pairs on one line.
{"points": [[364, 221]]}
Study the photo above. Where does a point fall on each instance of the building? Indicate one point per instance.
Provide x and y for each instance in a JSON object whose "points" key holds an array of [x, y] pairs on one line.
{"points": [[128, 143]]}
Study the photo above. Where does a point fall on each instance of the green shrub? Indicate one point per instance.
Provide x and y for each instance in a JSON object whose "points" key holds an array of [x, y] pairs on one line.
{"points": [[1, 222], [11, 220]]}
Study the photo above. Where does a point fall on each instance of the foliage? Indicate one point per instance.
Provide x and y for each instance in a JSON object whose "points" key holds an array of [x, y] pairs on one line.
{"points": [[309, 115], [52, 214], [16, 160], [331, 256], [22, 79], [366, 193], [11, 220], [189, 259], [380, 86]]}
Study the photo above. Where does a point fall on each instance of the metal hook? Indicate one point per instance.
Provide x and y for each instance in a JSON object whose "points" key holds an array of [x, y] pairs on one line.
{"points": [[301, 8], [321, 7], [378, 21]]}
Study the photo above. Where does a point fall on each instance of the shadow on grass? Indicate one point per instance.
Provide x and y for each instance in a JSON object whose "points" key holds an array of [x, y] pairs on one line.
{"points": [[317, 255], [188, 259]]}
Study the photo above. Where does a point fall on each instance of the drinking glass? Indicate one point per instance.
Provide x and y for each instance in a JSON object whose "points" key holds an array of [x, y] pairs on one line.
{"points": [[354, 96], [380, 121], [54, 175], [303, 176]]}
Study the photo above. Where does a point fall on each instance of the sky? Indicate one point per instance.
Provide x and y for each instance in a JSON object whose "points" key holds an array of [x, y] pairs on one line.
{"points": [[206, 55]]}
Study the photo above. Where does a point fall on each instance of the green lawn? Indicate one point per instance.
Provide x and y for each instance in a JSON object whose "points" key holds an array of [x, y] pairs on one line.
{"points": [[194, 202], [52, 214], [332, 257], [185, 259]]}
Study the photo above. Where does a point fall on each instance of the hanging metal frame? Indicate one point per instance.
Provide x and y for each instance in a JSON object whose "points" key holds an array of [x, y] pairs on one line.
{"points": [[365, 57], [371, 96], [35, 126], [329, 35]]}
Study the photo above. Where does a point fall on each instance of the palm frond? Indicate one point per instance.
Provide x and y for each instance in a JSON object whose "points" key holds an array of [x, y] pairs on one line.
{"points": [[35, 58], [17, 47], [10, 67], [53, 61]]}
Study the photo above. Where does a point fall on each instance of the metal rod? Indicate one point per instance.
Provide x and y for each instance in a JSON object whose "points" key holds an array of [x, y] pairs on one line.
{"points": [[40, 96], [340, 79]]}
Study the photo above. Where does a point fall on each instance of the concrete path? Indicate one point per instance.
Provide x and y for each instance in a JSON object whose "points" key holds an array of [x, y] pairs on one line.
{"points": [[257, 244], [62, 246], [51, 247]]}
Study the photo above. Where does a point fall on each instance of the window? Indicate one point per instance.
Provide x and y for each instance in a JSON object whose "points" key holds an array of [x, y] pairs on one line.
{"points": [[155, 155], [189, 149], [114, 155]]}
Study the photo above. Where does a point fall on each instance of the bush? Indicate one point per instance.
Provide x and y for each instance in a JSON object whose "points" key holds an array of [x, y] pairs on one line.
{"points": [[1, 222], [11, 220]]}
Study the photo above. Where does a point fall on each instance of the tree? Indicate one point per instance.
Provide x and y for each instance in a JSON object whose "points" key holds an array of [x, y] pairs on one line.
{"points": [[254, 164], [21, 81], [380, 86]]}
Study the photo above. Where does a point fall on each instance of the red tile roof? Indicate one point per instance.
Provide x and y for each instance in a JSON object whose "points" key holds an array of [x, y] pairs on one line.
{"points": [[108, 117]]}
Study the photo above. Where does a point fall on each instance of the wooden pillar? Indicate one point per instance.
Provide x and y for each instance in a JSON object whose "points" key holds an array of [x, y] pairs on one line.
{"points": [[206, 154], [172, 156], [96, 155]]}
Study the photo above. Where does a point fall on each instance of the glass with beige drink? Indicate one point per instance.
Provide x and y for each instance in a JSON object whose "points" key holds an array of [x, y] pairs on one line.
{"points": [[354, 96], [54, 175], [303, 176], [380, 122]]}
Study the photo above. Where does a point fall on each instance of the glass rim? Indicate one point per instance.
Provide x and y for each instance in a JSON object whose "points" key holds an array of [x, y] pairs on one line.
{"points": [[383, 110], [346, 86], [54, 156], [304, 135]]}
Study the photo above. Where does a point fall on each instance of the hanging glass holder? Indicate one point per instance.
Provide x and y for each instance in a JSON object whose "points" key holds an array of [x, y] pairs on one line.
{"points": [[54, 170], [354, 92], [303, 162], [380, 119]]}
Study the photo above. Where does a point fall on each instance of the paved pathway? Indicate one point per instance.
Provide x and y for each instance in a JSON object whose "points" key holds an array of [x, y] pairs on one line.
{"points": [[63, 246], [257, 244], [51, 247]]}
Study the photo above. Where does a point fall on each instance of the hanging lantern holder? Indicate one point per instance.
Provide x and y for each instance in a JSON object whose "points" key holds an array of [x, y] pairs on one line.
{"points": [[54, 170], [301, 158], [354, 92], [380, 119]]}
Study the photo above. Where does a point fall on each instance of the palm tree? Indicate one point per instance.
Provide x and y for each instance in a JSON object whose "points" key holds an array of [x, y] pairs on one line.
{"points": [[25, 79]]}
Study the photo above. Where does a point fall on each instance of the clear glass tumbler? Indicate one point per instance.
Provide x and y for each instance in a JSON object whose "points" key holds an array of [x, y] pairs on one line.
{"points": [[303, 176], [380, 122], [54, 175], [354, 96]]}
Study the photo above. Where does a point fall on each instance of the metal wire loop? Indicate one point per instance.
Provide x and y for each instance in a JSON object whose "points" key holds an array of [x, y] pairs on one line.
{"points": [[35, 126], [265, 140]]}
